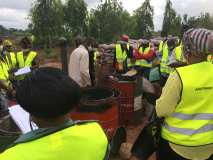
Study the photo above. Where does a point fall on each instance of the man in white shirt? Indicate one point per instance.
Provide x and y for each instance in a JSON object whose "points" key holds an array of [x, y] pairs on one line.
{"points": [[79, 63]]}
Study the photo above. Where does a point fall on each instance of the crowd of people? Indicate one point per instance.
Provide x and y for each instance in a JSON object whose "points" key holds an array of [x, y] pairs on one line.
{"points": [[141, 55], [184, 67], [11, 61], [48, 95], [185, 102]]}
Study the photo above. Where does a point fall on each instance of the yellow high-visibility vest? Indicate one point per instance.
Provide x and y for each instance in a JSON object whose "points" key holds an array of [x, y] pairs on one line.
{"points": [[95, 55], [160, 49], [10, 59], [143, 62], [25, 62], [120, 55], [4, 75], [179, 53], [164, 68], [192, 122], [78, 142]]}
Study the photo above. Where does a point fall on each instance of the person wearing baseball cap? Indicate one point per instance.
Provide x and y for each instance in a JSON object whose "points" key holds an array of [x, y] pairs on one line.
{"points": [[123, 55], [125, 38]]}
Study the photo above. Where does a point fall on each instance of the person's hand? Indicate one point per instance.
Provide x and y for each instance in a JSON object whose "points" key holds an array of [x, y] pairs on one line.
{"points": [[11, 91], [155, 63], [10, 88], [14, 93]]}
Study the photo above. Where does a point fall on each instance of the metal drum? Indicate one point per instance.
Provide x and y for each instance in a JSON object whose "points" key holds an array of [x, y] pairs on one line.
{"points": [[99, 104]]}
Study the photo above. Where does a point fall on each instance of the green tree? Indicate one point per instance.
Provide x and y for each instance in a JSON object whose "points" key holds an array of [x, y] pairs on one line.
{"points": [[204, 20], [108, 21], [171, 21], [3, 30], [128, 24], [144, 20], [75, 17], [47, 21]]}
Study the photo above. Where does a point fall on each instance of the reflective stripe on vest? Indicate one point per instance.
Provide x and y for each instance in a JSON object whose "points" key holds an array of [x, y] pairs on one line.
{"points": [[188, 131], [143, 62], [79, 142], [25, 62], [192, 122], [164, 68]]}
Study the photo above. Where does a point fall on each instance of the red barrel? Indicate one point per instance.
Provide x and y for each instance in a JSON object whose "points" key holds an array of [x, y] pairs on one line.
{"points": [[12, 103], [126, 100], [129, 89], [99, 104]]}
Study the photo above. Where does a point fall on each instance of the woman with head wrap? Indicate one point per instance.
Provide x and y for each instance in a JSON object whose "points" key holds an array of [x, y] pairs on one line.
{"points": [[186, 102]]}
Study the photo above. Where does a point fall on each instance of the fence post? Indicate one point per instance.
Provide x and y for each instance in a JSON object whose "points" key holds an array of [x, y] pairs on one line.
{"points": [[64, 50]]}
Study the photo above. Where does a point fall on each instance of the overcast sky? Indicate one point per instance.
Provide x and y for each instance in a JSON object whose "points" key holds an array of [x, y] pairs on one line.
{"points": [[14, 13]]}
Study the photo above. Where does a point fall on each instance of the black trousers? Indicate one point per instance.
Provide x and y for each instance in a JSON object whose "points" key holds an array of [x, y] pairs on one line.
{"points": [[166, 153]]}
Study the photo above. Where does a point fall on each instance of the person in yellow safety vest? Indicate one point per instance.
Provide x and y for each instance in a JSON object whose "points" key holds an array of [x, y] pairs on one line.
{"points": [[177, 58], [26, 57], [160, 48], [8, 65], [168, 47], [5, 83], [97, 56], [144, 48], [93, 54], [186, 103], [8, 56], [143, 65], [123, 55], [49, 95]]}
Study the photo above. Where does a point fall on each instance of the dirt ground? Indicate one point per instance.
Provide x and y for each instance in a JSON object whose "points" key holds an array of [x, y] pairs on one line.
{"points": [[133, 131]]}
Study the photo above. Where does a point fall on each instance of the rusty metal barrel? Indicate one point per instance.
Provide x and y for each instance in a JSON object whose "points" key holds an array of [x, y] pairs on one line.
{"points": [[99, 104]]}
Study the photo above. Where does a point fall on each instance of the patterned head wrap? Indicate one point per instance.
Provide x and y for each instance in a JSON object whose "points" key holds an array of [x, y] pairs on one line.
{"points": [[198, 41]]}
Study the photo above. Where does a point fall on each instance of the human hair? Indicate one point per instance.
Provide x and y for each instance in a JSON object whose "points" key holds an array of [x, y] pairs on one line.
{"points": [[48, 93], [171, 43], [25, 43], [92, 42], [79, 40]]}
